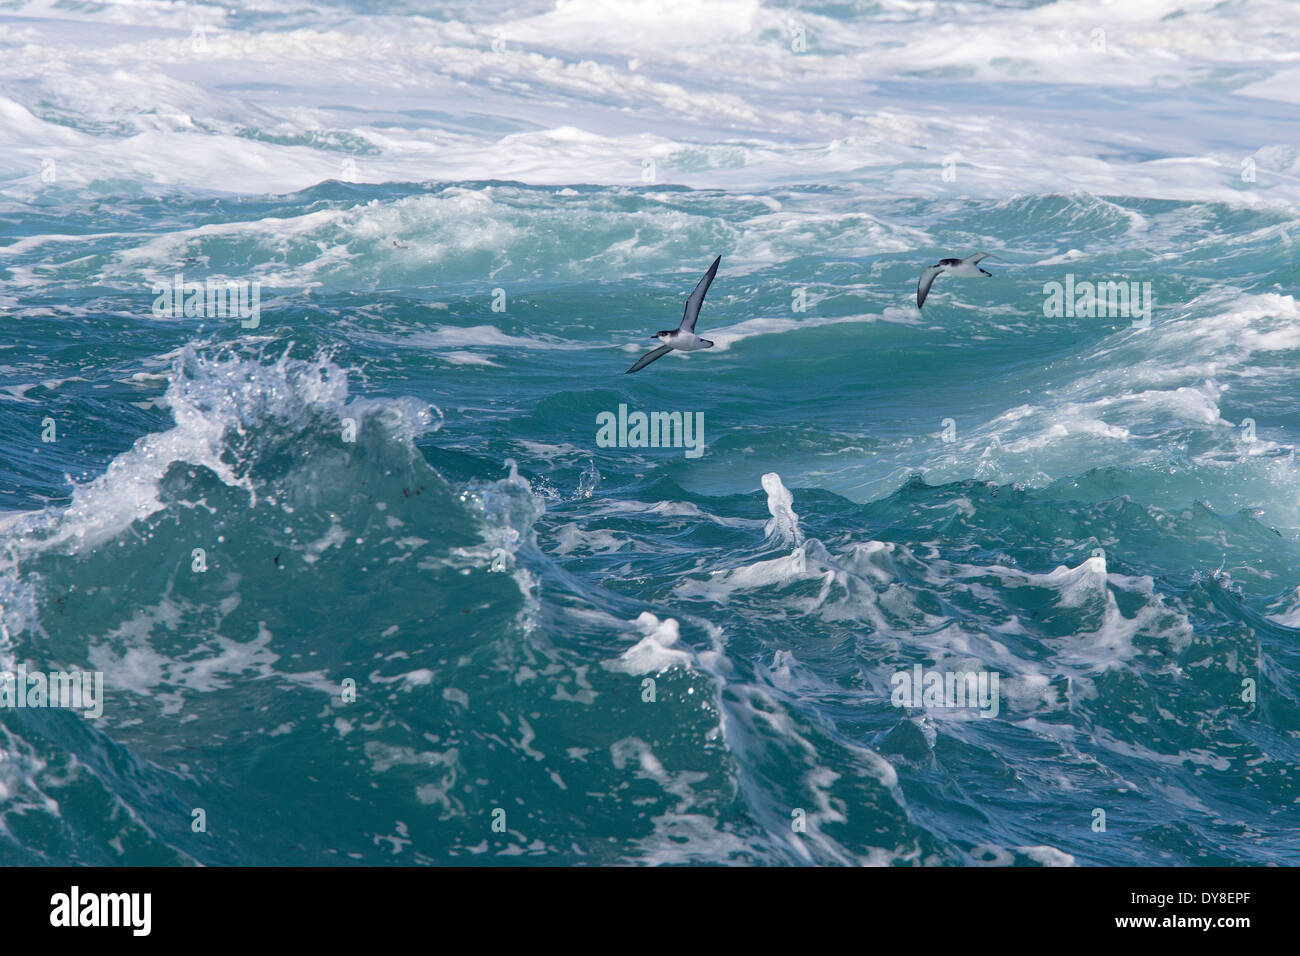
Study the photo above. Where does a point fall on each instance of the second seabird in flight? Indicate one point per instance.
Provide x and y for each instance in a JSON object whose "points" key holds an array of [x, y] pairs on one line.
{"points": [[960, 268], [682, 338]]}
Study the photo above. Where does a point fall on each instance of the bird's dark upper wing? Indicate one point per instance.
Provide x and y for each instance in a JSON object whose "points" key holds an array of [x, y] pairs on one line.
{"points": [[649, 357], [923, 285], [697, 298]]}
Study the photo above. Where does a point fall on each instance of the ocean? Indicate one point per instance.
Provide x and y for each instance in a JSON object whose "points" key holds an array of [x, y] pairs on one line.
{"points": [[322, 475]]}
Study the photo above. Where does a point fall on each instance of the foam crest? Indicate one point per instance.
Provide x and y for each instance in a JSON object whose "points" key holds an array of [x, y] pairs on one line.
{"points": [[780, 504], [234, 414]]}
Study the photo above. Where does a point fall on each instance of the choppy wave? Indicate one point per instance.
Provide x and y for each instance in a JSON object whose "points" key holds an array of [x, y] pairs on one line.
{"points": [[465, 221]]}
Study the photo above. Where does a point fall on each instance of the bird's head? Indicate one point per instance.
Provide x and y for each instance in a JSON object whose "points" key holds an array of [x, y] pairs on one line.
{"points": [[661, 336]]}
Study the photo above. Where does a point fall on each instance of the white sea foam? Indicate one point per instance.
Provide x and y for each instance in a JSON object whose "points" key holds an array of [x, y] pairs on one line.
{"points": [[315, 92], [214, 398], [656, 651]]}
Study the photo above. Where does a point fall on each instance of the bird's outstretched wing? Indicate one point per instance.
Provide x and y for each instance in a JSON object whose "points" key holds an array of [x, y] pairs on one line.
{"points": [[923, 285], [978, 257], [697, 298], [649, 357]]}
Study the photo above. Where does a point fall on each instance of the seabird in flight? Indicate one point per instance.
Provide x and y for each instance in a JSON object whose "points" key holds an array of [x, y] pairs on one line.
{"points": [[682, 338], [961, 268]]}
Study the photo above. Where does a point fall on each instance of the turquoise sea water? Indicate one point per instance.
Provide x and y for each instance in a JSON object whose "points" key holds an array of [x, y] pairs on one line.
{"points": [[465, 225]]}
